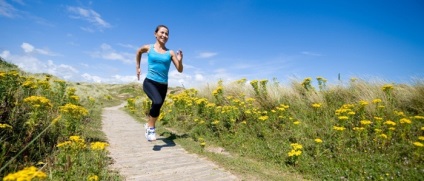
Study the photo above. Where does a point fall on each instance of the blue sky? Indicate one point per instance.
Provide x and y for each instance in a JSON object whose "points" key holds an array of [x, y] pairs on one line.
{"points": [[96, 41]]}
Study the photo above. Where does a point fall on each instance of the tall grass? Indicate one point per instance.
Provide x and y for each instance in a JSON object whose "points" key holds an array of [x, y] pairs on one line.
{"points": [[355, 131], [42, 129]]}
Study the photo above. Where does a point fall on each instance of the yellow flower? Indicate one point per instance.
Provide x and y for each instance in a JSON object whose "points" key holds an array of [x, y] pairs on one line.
{"points": [[358, 128], [399, 113], [421, 138], [363, 103], [64, 144], [376, 101], [418, 144], [387, 87], [29, 84], [294, 153], [263, 118], [73, 110], [383, 136], [390, 123], [405, 121], [316, 105], [318, 140], [74, 97], [93, 178], [76, 139], [296, 122], [337, 128], [37, 101], [75, 143], [27, 173], [5, 126], [250, 100], [296, 146], [98, 145], [378, 118], [343, 118], [366, 122], [419, 117]]}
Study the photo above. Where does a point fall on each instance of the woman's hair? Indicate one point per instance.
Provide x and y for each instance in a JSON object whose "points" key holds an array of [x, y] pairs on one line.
{"points": [[161, 26]]}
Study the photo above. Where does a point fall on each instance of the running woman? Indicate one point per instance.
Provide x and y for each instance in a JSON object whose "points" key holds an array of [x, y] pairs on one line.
{"points": [[155, 85]]}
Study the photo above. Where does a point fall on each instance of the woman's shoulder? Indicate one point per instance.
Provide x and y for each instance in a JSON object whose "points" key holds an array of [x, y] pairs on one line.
{"points": [[144, 48]]}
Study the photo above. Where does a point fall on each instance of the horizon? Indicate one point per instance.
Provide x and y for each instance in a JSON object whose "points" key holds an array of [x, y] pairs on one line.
{"points": [[96, 41]]}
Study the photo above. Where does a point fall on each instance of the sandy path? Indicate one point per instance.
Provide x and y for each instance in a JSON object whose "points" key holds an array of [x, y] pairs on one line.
{"points": [[137, 159]]}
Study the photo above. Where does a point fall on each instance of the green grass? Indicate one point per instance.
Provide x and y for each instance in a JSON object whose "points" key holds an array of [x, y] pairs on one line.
{"points": [[40, 112], [369, 130]]}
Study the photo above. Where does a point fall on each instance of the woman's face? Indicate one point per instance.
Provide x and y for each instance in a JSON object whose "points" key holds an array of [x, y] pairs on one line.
{"points": [[162, 35]]}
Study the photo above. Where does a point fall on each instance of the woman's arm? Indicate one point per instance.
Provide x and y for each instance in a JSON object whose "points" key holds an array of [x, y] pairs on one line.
{"points": [[140, 51], [177, 60]]}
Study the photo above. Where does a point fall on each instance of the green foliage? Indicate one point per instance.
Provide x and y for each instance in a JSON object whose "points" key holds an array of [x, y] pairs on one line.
{"points": [[38, 112], [357, 131]]}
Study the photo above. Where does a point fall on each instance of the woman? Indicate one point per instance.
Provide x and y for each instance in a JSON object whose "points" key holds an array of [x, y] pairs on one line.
{"points": [[155, 84]]}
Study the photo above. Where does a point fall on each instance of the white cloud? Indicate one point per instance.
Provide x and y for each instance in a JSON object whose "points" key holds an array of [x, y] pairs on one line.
{"points": [[128, 46], [5, 54], [28, 48], [90, 16], [32, 64], [91, 78], [199, 77], [7, 9], [311, 53], [108, 53], [124, 79], [206, 55]]}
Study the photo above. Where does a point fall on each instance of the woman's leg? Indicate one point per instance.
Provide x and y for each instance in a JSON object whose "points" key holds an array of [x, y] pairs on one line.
{"points": [[157, 93]]}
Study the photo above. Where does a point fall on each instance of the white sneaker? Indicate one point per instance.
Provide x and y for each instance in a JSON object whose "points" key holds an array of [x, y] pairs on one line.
{"points": [[150, 133]]}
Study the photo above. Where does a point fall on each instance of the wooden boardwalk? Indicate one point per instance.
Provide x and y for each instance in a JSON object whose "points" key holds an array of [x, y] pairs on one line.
{"points": [[137, 159]]}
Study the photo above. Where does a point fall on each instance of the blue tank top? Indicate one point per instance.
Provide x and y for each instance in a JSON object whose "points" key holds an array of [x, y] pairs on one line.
{"points": [[158, 65]]}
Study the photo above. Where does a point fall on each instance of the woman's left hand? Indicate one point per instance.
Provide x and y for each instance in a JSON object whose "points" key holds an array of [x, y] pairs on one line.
{"points": [[180, 55]]}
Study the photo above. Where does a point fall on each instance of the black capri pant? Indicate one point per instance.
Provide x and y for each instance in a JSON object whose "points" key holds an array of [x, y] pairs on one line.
{"points": [[157, 93]]}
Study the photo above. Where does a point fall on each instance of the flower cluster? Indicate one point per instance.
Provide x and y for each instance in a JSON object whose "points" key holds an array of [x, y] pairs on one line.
{"points": [[28, 173], [38, 102], [296, 150], [5, 126], [98, 145], [74, 143], [73, 109]]}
